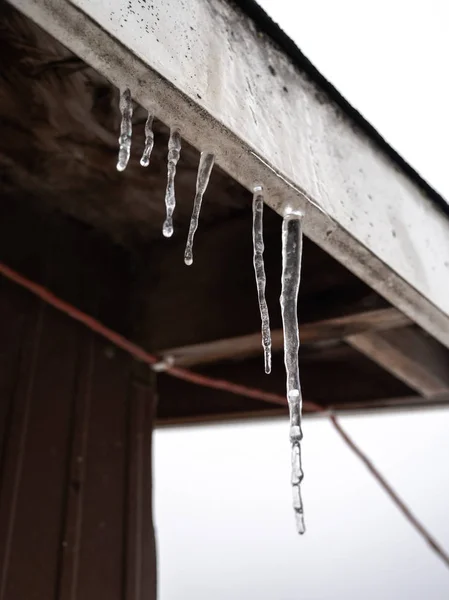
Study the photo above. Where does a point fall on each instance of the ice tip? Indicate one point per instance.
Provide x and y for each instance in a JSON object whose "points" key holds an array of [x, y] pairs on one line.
{"points": [[300, 525], [167, 230], [188, 258], [121, 167], [267, 362], [144, 161]]}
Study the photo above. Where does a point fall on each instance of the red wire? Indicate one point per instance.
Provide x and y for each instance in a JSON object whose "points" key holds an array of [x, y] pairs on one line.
{"points": [[137, 351], [217, 384], [390, 491]]}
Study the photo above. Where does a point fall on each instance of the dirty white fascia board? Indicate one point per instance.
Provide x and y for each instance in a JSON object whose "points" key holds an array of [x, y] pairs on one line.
{"points": [[203, 65]]}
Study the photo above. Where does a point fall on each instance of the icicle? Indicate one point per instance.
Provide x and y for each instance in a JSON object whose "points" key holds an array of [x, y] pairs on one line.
{"points": [[174, 150], [126, 108], [259, 270], [291, 267], [149, 141], [202, 179]]}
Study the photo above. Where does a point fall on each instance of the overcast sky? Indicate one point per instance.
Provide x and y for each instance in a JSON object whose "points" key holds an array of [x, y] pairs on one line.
{"points": [[222, 494], [225, 526]]}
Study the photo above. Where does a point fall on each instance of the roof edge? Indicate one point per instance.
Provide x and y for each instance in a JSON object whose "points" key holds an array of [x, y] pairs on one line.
{"points": [[269, 27]]}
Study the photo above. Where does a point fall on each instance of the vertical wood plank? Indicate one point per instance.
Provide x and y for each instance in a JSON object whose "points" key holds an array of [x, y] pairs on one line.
{"points": [[40, 455], [15, 313], [101, 552], [76, 500], [71, 528], [12, 467], [141, 550]]}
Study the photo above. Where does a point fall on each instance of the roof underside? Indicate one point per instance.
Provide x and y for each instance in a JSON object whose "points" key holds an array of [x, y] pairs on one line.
{"points": [[60, 190]]}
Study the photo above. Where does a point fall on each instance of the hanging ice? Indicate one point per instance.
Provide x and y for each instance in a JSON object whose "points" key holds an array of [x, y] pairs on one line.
{"points": [[291, 268], [202, 179], [126, 108], [259, 269], [174, 150], [149, 141]]}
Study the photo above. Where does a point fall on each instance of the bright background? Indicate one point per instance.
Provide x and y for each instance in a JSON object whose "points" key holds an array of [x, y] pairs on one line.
{"points": [[222, 494], [225, 526]]}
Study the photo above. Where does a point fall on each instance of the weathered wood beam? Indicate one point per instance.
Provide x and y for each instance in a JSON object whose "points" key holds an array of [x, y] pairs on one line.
{"points": [[411, 356], [205, 66], [399, 403], [238, 348], [274, 412], [331, 375], [268, 412]]}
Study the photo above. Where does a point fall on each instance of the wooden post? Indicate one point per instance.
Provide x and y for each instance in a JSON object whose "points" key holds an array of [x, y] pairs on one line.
{"points": [[76, 418]]}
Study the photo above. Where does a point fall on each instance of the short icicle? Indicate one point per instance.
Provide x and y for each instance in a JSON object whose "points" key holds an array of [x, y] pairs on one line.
{"points": [[174, 150], [291, 269], [202, 180], [149, 141], [126, 108], [259, 270]]}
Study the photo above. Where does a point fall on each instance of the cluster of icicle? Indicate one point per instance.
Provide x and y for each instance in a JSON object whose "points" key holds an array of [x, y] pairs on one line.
{"points": [[174, 152], [291, 267]]}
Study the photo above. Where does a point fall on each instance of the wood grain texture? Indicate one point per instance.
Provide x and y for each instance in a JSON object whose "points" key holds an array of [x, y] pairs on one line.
{"points": [[410, 355], [316, 332], [76, 418]]}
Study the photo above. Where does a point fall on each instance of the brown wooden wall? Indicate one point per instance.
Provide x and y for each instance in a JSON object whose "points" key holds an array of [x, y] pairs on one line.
{"points": [[75, 461], [76, 417]]}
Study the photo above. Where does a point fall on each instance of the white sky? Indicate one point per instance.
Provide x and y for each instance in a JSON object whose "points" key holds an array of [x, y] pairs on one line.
{"points": [[222, 494], [225, 526]]}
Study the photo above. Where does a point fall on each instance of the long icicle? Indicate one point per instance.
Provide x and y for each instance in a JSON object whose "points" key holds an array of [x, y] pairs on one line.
{"points": [[126, 108], [202, 179], [174, 150], [259, 270], [149, 141], [291, 269]]}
